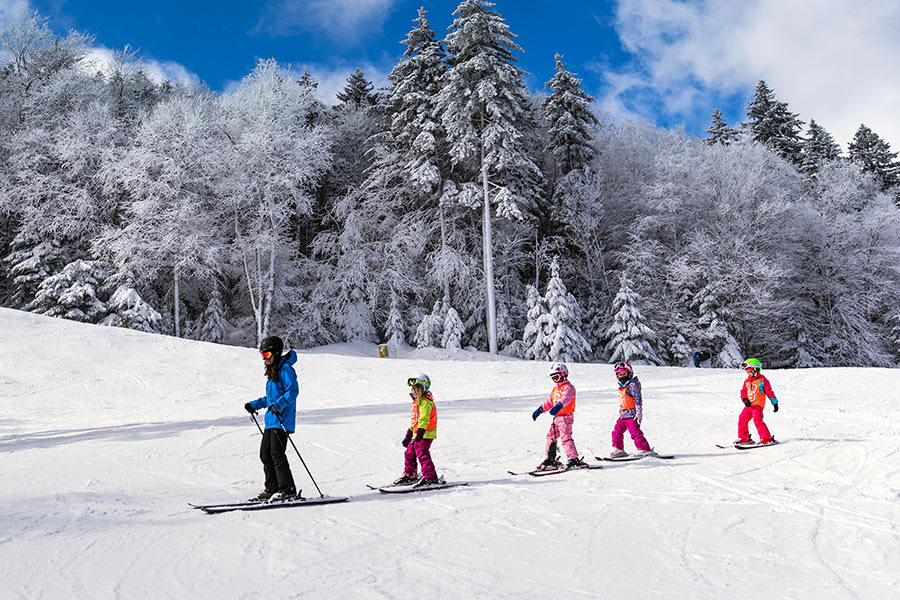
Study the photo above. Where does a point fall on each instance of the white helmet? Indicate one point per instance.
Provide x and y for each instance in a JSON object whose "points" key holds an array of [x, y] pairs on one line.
{"points": [[420, 379], [559, 369]]}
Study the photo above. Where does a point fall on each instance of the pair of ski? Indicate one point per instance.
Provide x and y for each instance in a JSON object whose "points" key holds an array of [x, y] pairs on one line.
{"points": [[408, 488], [748, 445], [266, 505], [626, 458]]}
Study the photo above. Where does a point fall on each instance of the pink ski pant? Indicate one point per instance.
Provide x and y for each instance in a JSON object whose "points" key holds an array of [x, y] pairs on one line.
{"points": [[420, 451], [561, 428], [755, 413], [634, 428]]}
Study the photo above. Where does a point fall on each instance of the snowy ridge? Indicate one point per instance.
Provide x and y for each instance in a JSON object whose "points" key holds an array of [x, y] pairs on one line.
{"points": [[107, 433]]}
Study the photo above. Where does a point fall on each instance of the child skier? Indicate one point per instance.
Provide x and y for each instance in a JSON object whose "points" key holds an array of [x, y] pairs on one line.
{"points": [[753, 394], [561, 405], [280, 403], [631, 413], [423, 425]]}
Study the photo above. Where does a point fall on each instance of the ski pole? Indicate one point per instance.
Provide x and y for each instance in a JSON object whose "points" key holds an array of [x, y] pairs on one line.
{"points": [[253, 416], [280, 422]]}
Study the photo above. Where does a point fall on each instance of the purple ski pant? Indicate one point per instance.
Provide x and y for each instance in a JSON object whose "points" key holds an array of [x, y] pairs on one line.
{"points": [[634, 428], [420, 451], [561, 428]]}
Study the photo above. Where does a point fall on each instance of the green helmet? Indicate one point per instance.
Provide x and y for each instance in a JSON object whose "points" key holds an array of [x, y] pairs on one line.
{"points": [[752, 363]]}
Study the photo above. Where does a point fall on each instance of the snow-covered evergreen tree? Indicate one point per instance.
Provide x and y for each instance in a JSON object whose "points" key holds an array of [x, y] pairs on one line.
{"points": [[358, 92], [485, 111], [72, 293], [630, 338], [431, 330], [536, 334], [567, 344], [214, 326], [128, 309], [713, 320], [719, 132], [453, 329], [395, 324], [818, 146], [771, 123], [874, 155], [571, 121]]}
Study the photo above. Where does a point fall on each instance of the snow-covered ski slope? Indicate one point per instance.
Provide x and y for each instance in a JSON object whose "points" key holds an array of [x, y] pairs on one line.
{"points": [[107, 434]]}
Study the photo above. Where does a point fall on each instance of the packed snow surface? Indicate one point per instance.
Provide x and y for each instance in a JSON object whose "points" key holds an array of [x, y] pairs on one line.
{"points": [[106, 435]]}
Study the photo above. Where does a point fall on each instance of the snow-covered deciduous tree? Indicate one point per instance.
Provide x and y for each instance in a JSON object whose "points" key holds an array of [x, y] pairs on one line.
{"points": [[630, 338], [567, 344], [275, 160], [73, 293], [719, 132], [485, 111], [172, 226]]}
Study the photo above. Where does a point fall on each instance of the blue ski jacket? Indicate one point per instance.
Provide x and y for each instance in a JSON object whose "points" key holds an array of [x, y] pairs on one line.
{"points": [[281, 396]]}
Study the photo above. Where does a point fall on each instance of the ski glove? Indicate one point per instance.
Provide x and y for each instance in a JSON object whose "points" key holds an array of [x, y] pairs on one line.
{"points": [[556, 408], [407, 439], [536, 413], [775, 404], [420, 434], [275, 410], [747, 403], [638, 415], [249, 409]]}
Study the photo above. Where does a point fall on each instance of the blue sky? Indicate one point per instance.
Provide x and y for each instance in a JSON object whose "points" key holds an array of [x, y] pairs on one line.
{"points": [[670, 62]]}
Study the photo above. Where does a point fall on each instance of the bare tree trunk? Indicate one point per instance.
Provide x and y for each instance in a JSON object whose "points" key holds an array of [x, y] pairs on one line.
{"points": [[177, 304], [491, 307]]}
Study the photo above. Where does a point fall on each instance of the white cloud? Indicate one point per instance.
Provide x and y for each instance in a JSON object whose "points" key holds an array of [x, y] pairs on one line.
{"points": [[834, 61], [101, 59], [342, 20], [8, 6]]}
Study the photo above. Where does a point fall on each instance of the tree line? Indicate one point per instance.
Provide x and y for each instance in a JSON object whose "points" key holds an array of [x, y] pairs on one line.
{"points": [[454, 208]]}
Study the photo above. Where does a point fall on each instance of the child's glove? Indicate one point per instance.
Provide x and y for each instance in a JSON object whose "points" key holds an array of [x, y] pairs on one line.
{"points": [[420, 434], [537, 412], [638, 415], [407, 439], [775, 404], [747, 403], [556, 408]]}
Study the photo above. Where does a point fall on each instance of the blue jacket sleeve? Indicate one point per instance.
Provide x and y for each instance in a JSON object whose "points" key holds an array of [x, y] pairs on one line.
{"points": [[258, 403]]}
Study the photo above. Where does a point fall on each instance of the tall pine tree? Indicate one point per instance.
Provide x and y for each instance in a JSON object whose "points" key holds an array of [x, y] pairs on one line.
{"points": [[771, 123], [874, 156], [719, 132]]}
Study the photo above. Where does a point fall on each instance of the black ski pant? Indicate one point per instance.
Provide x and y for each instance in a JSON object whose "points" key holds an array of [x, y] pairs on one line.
{"points": [[275, 462]]}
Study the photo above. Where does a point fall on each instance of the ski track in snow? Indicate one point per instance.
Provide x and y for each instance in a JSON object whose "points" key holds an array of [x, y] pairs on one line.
{"points": [[99, 462]]}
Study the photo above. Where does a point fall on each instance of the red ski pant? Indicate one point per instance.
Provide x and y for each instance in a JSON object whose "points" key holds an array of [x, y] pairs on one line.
{"points": [[634, 428], [755, 413], [419, 451]]}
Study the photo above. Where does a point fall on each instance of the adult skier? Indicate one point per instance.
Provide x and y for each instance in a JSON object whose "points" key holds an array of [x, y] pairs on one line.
{"points": [[754, 392], [561, 406], [631, 412], [280, 403], [420, 435]]}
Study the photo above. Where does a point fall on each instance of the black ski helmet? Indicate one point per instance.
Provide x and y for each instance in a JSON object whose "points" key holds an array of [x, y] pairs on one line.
{"points": [[272, 344]]}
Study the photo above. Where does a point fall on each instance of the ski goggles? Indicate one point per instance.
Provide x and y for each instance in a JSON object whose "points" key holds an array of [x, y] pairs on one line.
{"points": [[557, 376], [413, 381], [266, 355]]}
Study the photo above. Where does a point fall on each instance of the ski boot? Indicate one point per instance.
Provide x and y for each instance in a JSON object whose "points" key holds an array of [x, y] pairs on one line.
{"points": [[767, 441], [618, 453], [425, 482], [406, 479], [576, 463], [748, 440], [263, 496], [645, 453], [284, 496], [550, 463]]}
